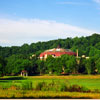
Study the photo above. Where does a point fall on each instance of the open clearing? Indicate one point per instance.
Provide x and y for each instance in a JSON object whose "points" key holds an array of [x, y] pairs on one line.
{"points": [[8, 89]]}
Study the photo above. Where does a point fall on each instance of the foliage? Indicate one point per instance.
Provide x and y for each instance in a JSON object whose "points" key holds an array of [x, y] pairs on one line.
{"points": [[2, 66], [84, 45], [17, 58], [69, 63]]}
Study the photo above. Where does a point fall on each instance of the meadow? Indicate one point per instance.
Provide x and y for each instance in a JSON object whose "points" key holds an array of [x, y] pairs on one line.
{"points": [[80, 86]]}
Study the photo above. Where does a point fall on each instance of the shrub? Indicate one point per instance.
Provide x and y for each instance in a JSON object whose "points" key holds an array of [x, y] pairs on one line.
{"points": [[63, 87], [60, 86], [97, 91], [26, 86], [77, 88], [52, 86], [40, 85], [12, 88], [84, 89]]}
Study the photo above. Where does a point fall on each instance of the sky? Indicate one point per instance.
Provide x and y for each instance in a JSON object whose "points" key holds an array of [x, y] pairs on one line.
{"points": [[28, 21]]}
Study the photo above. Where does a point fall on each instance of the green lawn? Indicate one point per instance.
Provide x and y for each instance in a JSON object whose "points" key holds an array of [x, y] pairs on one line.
{"points": [[91, 82]]}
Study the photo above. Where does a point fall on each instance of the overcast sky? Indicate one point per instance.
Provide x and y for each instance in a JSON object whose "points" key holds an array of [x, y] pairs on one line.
{"points": [[28, 21]]}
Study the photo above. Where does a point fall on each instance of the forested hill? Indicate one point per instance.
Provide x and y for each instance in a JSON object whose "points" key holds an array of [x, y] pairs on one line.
{"points": [[86, 45]]}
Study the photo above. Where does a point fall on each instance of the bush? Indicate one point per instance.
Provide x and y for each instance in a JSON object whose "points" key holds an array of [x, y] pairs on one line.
{"points": [[84, 89], [63, 87], [52, 86], [77, 88], [97, 91], [40, 85], [12, 88], [60, 86], [26, 86]]}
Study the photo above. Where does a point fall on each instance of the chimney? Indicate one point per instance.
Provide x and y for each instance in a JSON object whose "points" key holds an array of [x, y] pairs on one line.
{"points": [[58, 46], [77, 53]]}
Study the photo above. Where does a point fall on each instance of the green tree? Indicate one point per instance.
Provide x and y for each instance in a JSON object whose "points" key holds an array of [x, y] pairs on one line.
{"points": [[41, 66], [69, 63], [17, 63], [1, 72], [97, 65], [2, 66], [50, 64], [57, 66], [82, 68], [88, 66]]}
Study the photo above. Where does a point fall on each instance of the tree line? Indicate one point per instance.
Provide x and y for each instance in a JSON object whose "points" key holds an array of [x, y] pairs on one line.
{"points": [[17, 58]]}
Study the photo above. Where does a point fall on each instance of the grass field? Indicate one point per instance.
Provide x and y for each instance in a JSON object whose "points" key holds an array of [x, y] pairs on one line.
{"points": [[25, 87]]}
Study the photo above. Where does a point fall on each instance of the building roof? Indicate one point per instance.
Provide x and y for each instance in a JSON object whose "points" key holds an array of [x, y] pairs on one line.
{"points": [[57, 52], [24, 71]]}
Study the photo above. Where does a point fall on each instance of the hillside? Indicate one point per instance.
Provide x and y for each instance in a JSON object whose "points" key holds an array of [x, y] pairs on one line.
{"points": [[15, 59], [85, 45]]}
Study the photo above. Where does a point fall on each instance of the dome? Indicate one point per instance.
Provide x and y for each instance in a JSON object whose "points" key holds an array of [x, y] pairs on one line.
{"points": [[56, 52]]}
